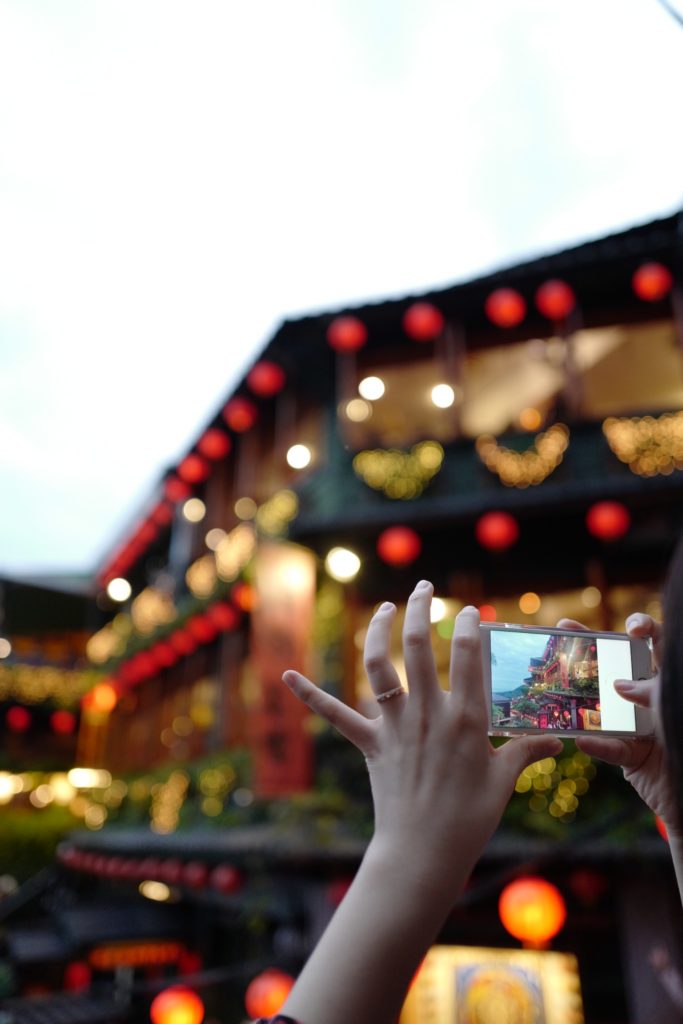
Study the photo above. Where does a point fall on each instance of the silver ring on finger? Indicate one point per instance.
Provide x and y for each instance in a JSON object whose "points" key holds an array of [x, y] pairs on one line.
{"points": [[396, 692]]}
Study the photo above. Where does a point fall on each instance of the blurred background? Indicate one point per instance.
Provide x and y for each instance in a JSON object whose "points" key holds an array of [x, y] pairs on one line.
{"points": [[303, 302]]}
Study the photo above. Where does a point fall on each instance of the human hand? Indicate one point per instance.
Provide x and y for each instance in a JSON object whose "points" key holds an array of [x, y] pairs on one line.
{"points": [[439, 787], [643, 760]]}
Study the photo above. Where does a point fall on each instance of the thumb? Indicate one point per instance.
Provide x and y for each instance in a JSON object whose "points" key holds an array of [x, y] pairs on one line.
{"points": [[518, 754], [637, 691]]}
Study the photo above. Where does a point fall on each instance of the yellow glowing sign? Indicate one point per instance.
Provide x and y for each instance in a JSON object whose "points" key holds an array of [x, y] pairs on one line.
{"points": [[462, 984]]}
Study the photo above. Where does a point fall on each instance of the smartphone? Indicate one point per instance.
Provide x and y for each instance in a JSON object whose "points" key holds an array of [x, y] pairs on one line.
{"points": [[559, 680]]}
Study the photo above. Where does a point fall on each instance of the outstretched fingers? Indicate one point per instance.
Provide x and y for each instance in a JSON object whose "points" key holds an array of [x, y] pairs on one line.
{"points": [[418, 655], [353, 726], [467, 671]]}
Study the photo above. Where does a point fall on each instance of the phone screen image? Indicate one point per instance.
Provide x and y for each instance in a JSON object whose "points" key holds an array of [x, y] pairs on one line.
{"points": [[559, 681]]}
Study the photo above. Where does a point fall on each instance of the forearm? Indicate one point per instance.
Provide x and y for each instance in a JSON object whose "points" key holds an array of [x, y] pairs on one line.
{"points": [[365, 961]]}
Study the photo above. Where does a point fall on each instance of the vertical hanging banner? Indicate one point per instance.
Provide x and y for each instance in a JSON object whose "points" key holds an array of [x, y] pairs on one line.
{"points": [[281, 630]]}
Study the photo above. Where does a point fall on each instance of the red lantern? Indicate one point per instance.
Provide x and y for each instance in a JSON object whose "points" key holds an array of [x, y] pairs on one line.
{"points": [[555, 300], [487, 613], [399, 545], [193, 469], [77, 976], [176, 490], [146, 534], [225, 878], [347, 334], [223, 615], [162, 514], [18, 719], [182, 641], [149, 868], [164, 654], [608, 520], [195, 874], [423, 322], [214, 444], [587, 885], [177, 1005], [532, 910], [171, 871], [505, 307], [496, 530], [63, 722], [240, 414], [652, 282], [267, 992], [190, 962], [265, 379], [202, 628]]}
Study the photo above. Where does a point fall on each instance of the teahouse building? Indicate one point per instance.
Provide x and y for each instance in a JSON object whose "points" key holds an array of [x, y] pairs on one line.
{"points": [[518, 440]]}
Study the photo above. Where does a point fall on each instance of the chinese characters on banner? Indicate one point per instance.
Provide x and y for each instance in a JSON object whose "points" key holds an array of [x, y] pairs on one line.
{"points": [[281, 630]]}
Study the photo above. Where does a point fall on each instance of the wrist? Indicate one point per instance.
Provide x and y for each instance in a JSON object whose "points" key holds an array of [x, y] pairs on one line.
{"points": [[408, 867]]}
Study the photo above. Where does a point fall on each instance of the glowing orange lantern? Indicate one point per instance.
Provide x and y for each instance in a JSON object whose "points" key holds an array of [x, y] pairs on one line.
{"points": [[214, 444], [423, 322], [265, 379], [532, 910], [240, 414], [63, 722], [399, 545], [652, 282], [244, 596], [18, 719], [496, 530], [175, 489], [347, 334], [267, 992], [555, 299], [608, 520], [505, 307], [193, 469], [177, 1005], [103, 698]]}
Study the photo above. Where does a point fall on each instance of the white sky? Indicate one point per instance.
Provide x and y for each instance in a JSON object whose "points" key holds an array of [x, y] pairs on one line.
{"points": [[177, 176]]}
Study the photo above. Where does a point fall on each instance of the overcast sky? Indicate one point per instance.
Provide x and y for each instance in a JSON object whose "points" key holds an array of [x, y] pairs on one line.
{"points": [[177, 177]]}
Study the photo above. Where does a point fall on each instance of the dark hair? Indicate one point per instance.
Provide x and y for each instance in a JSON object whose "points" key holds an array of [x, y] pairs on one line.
{"points": [[671, 705]]}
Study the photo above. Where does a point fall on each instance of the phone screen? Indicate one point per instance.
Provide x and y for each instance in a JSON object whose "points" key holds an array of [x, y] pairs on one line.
{"points": [[559, 681]]}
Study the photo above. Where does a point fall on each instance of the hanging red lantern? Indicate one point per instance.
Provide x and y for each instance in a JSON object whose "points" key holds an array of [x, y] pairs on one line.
{"points": [[505, 307], [183, 642], [202, 628], [399, 545], [149, 868], [195, 874], [177, 1005], [103, 698], [224, 615], [175, 490], [225, 878], [146, 534], [496, 530], [18, 719], [266, 994], [214, 444], [77, 976], [488, 613], [347, 334], [652, 282], [266, 379], [608, 520], [63, 722], [193, 469], [171, 871], [190, 962], [162, 514], [555, 300], [164, 654], [532, 910], [240, 414], [423, 322]]}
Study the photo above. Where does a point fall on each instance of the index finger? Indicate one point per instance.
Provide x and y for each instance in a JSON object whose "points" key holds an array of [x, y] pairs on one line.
{"points": [[466, 671]]}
